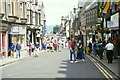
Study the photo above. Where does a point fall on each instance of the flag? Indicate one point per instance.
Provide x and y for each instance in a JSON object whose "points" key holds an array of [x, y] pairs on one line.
{"points": [[106, 7], [99, 12], [44, 30], [112, 7], [116, 4]]}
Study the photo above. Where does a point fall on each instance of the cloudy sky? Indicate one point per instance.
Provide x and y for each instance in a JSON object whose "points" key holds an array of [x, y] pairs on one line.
{"points": [[54, 9]]}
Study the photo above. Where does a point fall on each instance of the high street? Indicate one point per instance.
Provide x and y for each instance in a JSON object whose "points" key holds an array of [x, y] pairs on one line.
{"points": [[52, 65]]}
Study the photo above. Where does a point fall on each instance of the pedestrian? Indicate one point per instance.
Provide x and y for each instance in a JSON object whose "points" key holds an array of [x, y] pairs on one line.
{"points": [[94, 47], [37, 49], [45, 45], [55, 45], [71, 44], [90, 47], [12, 49], [80, 51], [30, 49], [109, 47], [33, 49], [18, 47], [104, 42], [100, 49], [51, 46]]}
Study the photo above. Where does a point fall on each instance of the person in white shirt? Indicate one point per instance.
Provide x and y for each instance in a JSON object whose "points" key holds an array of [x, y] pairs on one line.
{"points": [[109, 47]]}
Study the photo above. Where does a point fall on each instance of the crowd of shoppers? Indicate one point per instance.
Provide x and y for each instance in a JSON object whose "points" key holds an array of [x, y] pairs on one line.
{"points": [[109, 48]]}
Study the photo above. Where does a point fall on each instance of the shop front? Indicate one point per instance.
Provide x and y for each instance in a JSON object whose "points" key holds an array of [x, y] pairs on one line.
{"points": [[3, 39], [114, 25], [17, 34]]}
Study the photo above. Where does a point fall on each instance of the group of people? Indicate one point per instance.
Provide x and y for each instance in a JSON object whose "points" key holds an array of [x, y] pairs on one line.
{"points": [[51, 45], [14, 49], [77, 53], [34, 48], [105, 48]]}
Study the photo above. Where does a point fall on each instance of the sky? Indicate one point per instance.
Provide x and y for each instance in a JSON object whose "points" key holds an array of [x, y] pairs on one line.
{"points": [[54, 9]]}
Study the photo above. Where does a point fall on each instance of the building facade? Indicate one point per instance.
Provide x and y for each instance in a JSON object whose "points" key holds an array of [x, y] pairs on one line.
{"points": [[20, 21]]}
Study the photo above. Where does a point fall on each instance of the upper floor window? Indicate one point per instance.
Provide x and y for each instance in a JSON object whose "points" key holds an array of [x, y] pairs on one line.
{"points": [[9, 7]]}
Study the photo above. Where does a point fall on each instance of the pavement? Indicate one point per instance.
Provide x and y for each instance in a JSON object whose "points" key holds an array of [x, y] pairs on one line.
{"points": [[114, 67], [8, 60]]}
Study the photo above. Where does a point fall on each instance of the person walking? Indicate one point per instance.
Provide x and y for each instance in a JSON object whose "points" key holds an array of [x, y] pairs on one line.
{"points": [[100, 49], [71, 44], [90, 47], [94, 47], [55, 45], [37, 47], [80, 51], [18, 47], [30, 49], [12, 49], [109, 47]]}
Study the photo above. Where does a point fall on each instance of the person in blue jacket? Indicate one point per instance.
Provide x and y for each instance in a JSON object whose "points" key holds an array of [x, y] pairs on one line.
{"points": [[12, 49]]}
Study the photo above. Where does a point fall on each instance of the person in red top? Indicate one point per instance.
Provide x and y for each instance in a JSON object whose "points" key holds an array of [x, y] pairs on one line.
{"points": [[55, 44], [71, 44]]}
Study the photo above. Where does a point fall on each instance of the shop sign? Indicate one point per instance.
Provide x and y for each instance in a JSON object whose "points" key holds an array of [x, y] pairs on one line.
{"points": [[19, 29], [115, 20], [15, 29]]}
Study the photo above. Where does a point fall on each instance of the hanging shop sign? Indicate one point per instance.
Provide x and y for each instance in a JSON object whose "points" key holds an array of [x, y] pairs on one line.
{"points": [[115, 20]]}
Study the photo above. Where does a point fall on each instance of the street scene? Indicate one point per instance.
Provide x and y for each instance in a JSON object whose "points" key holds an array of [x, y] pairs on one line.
{"points": [[59, 39]]}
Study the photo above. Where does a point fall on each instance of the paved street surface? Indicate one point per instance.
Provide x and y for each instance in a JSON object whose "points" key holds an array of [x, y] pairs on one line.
{"points": [[51, 65]]}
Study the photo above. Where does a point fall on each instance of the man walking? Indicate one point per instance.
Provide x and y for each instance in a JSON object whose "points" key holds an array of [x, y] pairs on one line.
{"points": [[18, 47], [109, 47]]}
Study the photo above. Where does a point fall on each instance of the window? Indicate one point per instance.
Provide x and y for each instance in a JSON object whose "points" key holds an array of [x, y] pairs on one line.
{"points": [[9, 7], [28, 18], [21, 9]]}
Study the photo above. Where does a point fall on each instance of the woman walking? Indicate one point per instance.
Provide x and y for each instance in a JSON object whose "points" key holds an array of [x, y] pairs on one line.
{"points": [[71, 44], [30, 49]]}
